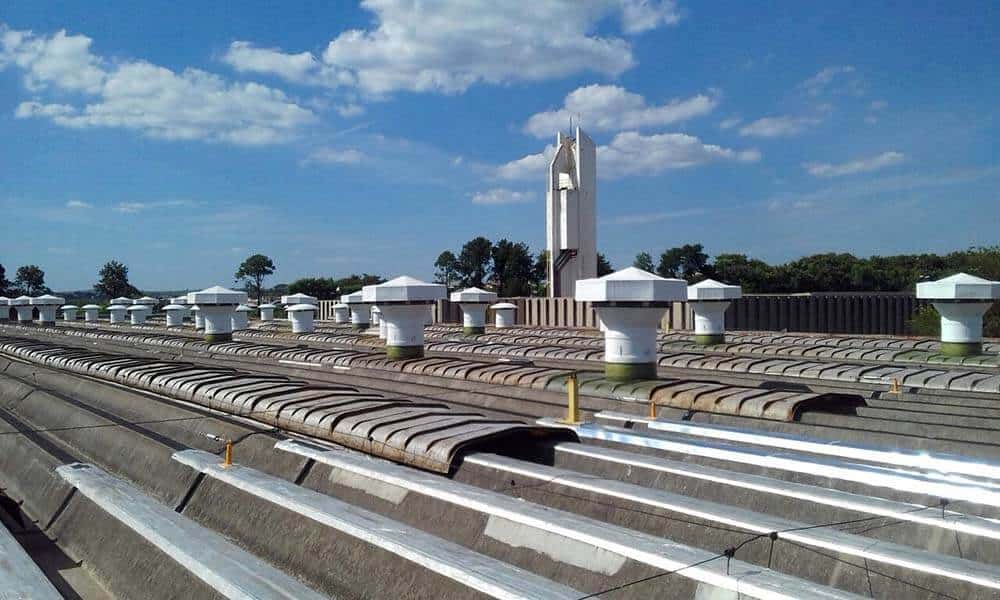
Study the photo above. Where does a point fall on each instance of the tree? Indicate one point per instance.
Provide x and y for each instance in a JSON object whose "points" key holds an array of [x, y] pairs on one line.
{"points": [[474, 261], [4, 284], [542, 266], [353, 283], [447, 268], [603, 266], [540, 274], [328, 288], [823, 272], [252, 272], [114, 281], [643, 261], [755, 276], [688, 261], [324, 288], [31, 280], [513, 268]]}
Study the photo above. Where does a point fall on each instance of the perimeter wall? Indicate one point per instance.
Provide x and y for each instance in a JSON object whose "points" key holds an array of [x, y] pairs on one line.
{"points": [[871, 313]]}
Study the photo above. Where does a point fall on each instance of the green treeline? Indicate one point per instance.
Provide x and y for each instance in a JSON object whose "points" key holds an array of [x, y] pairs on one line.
{"points": [[823, 272]]}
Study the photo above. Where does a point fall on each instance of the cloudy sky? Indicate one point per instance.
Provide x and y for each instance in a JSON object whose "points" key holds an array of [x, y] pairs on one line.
{"points": [[338, 137]]}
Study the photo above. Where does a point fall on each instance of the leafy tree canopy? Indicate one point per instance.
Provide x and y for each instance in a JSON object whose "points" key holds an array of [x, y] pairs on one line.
{"points": [[30, 280], [474, 262], [252, 272], [114, 281], [541, 273], [603, 266], [644, 261], [513, 268], [688, 261], [329, 288], [830, 272], [507, 267], [446, 267]]}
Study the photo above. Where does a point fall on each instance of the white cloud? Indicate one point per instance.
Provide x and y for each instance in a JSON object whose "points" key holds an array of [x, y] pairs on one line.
{"points": [[642, 15], [527, 167], [630, 153], [864, 165], [878, 105], [501, 196], [153, 100], [887, 186], [613, 108], [61, 61], [730, 123], [783, 206], [299, 68], [350, 110], [243, 57], [446, 47], [640, 219], [782, 126], [131, 208], [27, 110], [821, 81], [77, 204], [335, 156]]}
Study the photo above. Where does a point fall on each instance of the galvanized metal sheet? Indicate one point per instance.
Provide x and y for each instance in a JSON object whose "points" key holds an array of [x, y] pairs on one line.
{"points": [[475, 571], [220, 564], [808, 534], [655, 551]]}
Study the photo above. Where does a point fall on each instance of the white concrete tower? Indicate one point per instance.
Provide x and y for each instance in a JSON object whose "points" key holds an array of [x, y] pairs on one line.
{"points": [[69, 311], [709, 300], [473, 302], [630, 303], [4, 308], [962, 300], [571, 213], [403, 302]]}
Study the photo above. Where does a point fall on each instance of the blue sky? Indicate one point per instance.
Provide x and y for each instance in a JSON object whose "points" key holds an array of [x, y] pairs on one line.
{"points": [[337, 137]]}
